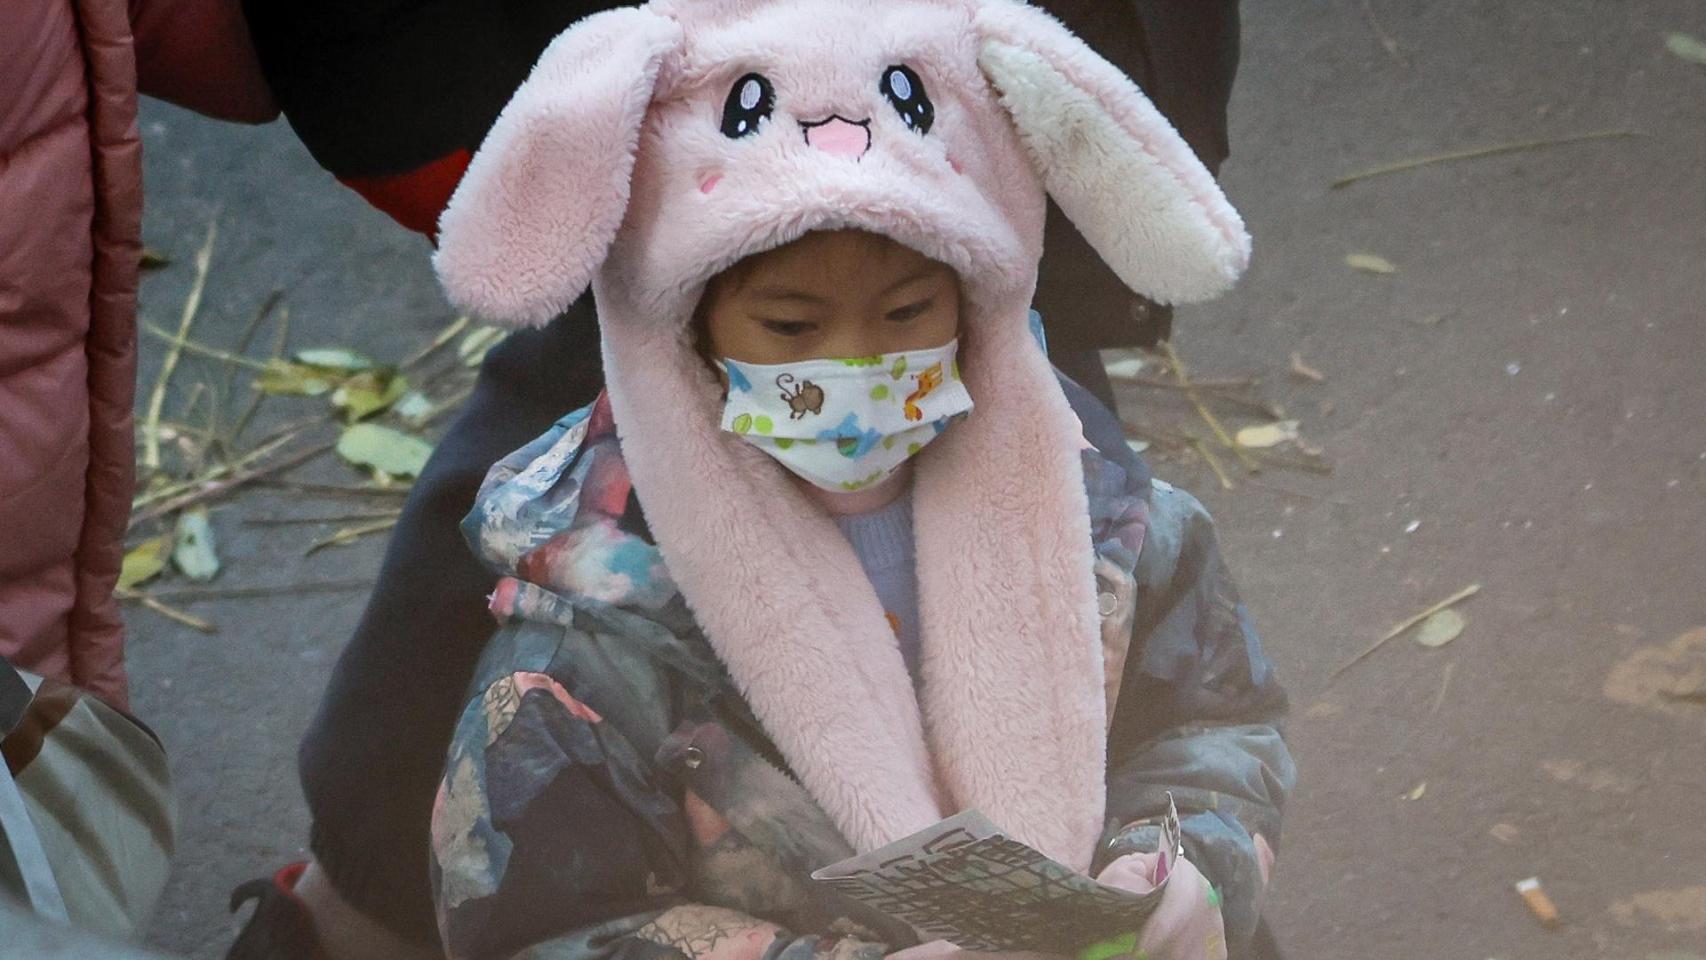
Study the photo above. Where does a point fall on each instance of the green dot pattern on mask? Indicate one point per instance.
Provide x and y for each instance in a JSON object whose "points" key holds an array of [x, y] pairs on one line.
{"points": [[880, 392], [913, 448], [783, 443], [764, 424], [743, 424], [1125, 946], [899, 369], [860, 361], [888, 443]]}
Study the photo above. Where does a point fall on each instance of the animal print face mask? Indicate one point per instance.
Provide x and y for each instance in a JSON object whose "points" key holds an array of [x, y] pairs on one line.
{"points": [[845, 425]]}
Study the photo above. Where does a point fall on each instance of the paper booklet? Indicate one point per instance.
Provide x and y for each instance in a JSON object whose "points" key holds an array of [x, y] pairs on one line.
{"points": [[963, 880]]}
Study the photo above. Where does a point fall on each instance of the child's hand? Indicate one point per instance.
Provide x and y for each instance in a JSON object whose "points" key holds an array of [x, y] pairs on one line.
{"points": [[1187, 925]]}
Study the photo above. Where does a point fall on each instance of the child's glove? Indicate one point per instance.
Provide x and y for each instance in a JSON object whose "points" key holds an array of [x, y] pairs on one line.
{"points": [[1186, 926]]}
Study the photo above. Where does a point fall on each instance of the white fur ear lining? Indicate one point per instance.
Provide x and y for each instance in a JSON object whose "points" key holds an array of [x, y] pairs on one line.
{"points": [[1156, 234], [544, 197]]}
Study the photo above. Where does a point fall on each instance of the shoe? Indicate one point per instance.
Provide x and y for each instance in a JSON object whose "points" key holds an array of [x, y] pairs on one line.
{"points": [[280, 928]]}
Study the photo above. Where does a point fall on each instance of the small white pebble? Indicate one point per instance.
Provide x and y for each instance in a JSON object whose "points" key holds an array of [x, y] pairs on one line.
{"points": [[1288, 510], [1400, 371], [1513, 368], [1413, 526], [1672, 485], [1562, 311], [1278, 534], [1587, 486], [1385, 548], [1551, 398], [1506, 524], [1527, 524]]}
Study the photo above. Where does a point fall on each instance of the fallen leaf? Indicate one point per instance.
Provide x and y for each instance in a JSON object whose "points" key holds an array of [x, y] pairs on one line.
{"points": [[1127, 369], [1680, 910], [414, 408], [1369, 263], [1594, 779], [195, 552], [1687, 47], [1669, 678], [144, 562], [384, 449], [478, 342], [1137, 446], [1440, 629], [1420, 791], [1505, 833], [1304, 370], [281, 378], [154, 260], [369, 392], [335, 359], [1268, 435]]}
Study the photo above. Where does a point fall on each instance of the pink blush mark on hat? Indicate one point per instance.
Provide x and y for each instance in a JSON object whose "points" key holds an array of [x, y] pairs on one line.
{"points": [[709, 182], [839, 137]]}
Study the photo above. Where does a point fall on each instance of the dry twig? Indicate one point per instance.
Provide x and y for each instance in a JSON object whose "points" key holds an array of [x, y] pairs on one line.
{"points": [[1398, 630], [200, 595], [1478, 153], [170, 613], [157, 398]]}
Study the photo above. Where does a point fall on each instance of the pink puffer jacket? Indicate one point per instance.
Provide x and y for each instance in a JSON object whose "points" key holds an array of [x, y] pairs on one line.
{"points": [[70, 221]]}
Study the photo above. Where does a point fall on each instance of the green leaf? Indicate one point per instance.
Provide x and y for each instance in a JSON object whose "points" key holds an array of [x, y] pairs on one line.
{"points": [[415, 408], [1440, 629], [282, 378], [144, 562], [1369, 263], [1686, 47], [195, 552], [335, 359], [384, 449], [369, 392]]}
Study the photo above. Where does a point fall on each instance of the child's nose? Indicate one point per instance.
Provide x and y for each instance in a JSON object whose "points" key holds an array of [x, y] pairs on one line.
{"points": [[839, 137]]}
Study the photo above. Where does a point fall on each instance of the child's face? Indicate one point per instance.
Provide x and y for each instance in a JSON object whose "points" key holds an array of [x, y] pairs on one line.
{"points": [[831, 294]]}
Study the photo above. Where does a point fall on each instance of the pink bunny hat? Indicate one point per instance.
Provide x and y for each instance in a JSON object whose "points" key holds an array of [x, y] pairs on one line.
{"points": [[655, 146]]}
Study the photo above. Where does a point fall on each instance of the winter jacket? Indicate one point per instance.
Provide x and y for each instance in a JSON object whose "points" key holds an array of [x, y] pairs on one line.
{"points": [[610, 793], [70, 226]]}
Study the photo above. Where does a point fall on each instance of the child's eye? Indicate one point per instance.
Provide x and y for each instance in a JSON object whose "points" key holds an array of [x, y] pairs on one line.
{"points": [[911, 311], [789, 328]]}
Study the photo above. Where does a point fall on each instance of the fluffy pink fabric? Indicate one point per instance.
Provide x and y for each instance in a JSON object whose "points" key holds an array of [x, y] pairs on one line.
{"points": [[620, 125]]}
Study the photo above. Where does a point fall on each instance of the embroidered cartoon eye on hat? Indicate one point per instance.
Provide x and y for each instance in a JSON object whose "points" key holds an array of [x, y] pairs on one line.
{"points": [[655, 146], [749, 106]]}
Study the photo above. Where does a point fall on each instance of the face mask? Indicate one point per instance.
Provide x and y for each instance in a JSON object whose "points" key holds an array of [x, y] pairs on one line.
{"points": [[845, 425]]}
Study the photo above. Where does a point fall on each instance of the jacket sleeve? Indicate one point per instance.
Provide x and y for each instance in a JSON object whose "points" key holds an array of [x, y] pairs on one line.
{"points": [[1198, 716], [198, 54], [554, 837]]}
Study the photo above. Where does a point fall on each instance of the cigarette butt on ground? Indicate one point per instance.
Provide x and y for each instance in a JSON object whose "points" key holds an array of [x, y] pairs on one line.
{"points": [[1538, 902]]}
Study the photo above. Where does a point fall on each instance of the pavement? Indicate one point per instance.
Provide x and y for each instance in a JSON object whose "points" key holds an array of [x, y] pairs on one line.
{"points": [[1518, 406]]}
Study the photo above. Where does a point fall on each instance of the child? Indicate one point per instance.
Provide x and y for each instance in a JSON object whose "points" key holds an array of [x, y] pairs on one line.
{"points": [[831, 560]]}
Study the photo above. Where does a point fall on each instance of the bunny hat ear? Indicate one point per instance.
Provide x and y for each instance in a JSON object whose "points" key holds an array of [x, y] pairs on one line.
{"points": [[1110, 160], [541, 202]]}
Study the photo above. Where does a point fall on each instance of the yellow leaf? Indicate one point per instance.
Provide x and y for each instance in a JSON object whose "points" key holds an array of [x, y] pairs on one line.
{"points": [[144, 562], [1268, 435], [1369, 263]]}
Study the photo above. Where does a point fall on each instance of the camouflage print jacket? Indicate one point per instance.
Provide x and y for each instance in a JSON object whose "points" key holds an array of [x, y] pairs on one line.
{"points": [[608, 793]]}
